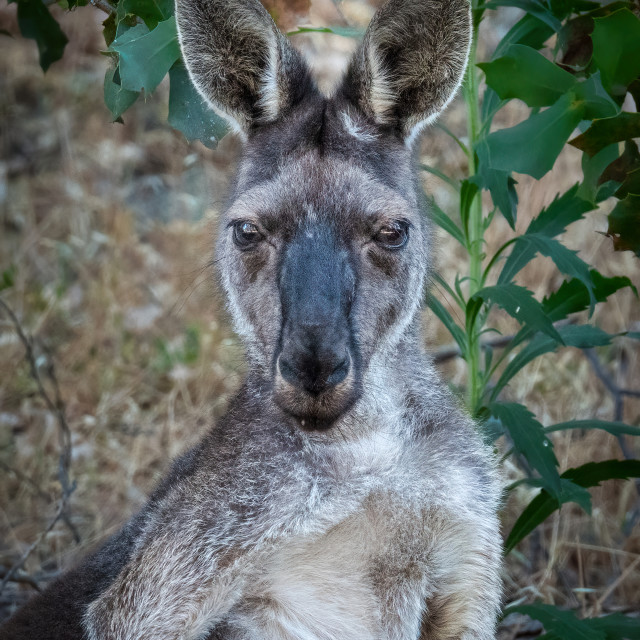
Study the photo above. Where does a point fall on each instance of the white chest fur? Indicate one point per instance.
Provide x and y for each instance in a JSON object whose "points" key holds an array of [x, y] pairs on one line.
{"points": [[323, 586]]}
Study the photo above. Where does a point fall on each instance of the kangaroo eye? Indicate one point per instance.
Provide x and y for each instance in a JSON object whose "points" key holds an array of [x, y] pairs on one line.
{"points": [[246, 234], [393, 235]]}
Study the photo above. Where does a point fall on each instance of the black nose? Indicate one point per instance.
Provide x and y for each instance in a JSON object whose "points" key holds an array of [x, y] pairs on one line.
{"points": [[312, 373]]}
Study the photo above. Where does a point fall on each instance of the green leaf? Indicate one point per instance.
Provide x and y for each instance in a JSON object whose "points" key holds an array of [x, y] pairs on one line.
{"points": [[580, 336], [617, 626], [444, 221], [468, 191], [597, 102], [563, 624], [502, 188], [536, 8], [567, 261], [619, 167], [7, 277], [512, 149], [146, 56], [445, 317], [592, 168], [524, 73], [38, 24], [189, 113], [542, 506], [614, 428], [520, 304], [624, 224], [562, 8], [593, 473], [588, 475], [603, 132], [563, 211], [117, 99], [529, 440], [529, 30], [616, 49], [151, 11], [572, 296]]}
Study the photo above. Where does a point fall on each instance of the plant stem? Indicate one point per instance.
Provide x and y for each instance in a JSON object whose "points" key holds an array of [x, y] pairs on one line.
{"points": [[475, 233]]}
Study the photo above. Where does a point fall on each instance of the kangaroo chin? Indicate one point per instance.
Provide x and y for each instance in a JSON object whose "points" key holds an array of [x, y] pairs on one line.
{"points": [[344, 494]]}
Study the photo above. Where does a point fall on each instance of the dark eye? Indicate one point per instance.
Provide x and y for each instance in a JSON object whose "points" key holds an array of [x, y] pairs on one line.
{"points": [[393, 235], [246, 234]]}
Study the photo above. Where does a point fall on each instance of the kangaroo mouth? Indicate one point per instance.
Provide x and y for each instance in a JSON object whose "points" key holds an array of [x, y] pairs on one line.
{"points": [[316, 409]]}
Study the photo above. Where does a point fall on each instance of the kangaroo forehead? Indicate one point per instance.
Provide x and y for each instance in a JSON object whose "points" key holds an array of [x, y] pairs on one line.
{"points": [[319, 188]]}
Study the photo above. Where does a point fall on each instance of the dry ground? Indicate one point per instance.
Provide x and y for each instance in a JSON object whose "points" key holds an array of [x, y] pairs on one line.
{"points": [[108, 231]]}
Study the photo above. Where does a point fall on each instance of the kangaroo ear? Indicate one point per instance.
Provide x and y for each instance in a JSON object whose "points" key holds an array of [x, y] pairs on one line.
{"points": [[239, 61], [410, 63]]}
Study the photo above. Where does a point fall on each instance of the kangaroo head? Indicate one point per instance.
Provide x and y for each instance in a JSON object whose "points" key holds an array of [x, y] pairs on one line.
{"points": [[323, 249]]}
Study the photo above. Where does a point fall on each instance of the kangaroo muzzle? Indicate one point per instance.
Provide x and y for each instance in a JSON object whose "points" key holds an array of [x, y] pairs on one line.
{"points": [[316, 367]]}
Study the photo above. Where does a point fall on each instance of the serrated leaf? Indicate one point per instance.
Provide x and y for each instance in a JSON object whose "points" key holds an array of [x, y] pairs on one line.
{"points": [[524, 73], [572, 296], [38, 24], [117, 99], [445, 317], [542, 506], [512, 150], [614, 428], [528, 437], [605, 131], [588, 475], [616, 49], [624, 224], [189, 113], [579, 336], [146, 56], [563, 211], [567, 261], [520, 304], [502, 188]]}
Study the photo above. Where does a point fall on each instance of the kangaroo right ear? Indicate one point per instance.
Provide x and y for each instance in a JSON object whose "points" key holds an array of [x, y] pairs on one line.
{"points": [[410, 63], [239, 61]]}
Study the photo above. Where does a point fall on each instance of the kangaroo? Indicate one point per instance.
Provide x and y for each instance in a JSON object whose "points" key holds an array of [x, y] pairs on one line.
{"points": [[344, 495]]}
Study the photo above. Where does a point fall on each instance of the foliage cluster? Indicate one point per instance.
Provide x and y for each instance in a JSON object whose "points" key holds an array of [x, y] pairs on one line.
{"points": [[576, 65]]}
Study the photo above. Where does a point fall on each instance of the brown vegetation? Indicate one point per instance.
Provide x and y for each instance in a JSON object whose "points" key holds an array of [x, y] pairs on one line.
{"points": [[107, 230]]}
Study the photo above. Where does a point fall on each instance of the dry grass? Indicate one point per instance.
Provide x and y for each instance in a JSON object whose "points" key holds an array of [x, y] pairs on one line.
{"points": [[109, 230]]}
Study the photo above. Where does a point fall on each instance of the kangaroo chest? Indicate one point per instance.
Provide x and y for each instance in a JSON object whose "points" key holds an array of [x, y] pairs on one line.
{"points": [[343, 582]]}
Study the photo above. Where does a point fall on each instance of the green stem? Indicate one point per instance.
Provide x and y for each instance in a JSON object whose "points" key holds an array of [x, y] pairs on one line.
{"points": [[475, 232]]}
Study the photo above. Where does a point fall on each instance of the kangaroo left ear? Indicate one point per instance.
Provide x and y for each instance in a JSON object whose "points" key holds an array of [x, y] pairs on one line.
{"points": [[410, 63]]}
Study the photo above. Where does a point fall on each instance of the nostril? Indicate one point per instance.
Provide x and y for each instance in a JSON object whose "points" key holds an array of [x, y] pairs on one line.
{"points": [[287, 371], [339, 373], [312, 375]]}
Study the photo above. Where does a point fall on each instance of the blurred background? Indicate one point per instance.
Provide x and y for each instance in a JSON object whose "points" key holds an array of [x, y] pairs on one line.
{"points": [[106, 236]]}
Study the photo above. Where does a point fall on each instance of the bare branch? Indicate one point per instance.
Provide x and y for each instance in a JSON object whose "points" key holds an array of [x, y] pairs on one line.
{"points": [[57, 407]]}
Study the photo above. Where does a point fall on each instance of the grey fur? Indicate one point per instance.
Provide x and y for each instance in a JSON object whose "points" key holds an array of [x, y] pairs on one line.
{"points": [[365, 509]]}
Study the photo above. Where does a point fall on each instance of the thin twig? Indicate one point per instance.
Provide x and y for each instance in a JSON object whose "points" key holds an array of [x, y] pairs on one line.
{"points": [[43, 495], [29, 550], [103, 5], [57, 407]]}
